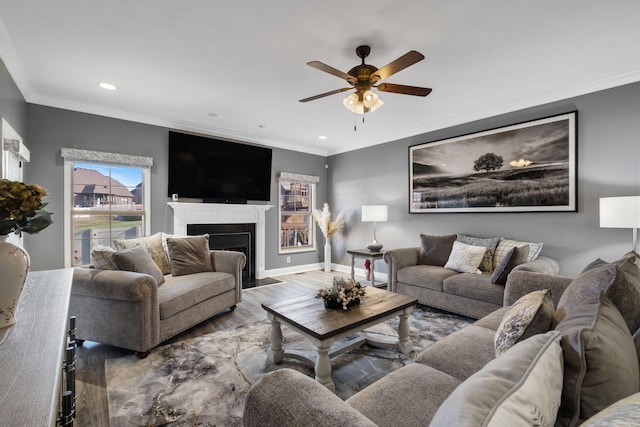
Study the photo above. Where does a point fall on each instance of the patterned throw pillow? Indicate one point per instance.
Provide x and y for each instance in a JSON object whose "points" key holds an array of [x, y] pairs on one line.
{"points": [[138, 260], [102, 258], [625, 412], [488, 242], [505, 245], [153, 245], [530, 315], [189, 255], [465, 258]]}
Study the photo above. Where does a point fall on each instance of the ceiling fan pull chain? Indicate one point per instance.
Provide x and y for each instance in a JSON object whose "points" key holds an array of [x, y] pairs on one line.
{"points": [[354, 122]]}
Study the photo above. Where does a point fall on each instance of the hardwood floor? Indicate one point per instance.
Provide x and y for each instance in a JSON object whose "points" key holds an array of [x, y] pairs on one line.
{"points": [[91, 391]]}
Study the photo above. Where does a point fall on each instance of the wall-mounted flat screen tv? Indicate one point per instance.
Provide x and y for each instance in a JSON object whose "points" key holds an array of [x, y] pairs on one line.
{"points": [[218, 171]]}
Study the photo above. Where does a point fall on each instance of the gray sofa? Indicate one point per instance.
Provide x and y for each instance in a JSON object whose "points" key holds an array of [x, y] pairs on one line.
{"points": [[419, 272], [129, 309], [587, 362]]}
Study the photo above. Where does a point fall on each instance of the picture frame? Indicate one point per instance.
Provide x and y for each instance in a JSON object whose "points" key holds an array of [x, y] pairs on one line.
{"points": [[524, 167]]}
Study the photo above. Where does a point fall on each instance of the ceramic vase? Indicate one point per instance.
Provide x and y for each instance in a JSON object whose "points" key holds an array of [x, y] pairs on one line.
{"points": [[14, 265], [327, 255]]}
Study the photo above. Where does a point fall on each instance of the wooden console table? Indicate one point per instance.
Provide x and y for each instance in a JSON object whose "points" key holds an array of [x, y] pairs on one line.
{"points": [[33, 350]]}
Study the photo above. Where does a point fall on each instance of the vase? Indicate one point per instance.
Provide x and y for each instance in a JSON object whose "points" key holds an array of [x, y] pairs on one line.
{"points": [[327, 255], [14, 265]]}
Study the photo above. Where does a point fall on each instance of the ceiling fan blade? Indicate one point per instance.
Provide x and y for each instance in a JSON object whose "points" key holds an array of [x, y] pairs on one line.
{"points": [[322, 95], [399, 64], [328, 69], [405, 90]]}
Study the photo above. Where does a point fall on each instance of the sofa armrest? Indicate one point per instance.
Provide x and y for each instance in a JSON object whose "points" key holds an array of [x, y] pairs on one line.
{"points": [[541, 264], [287, 398], [118, 308], [231, 262], [398, 259], [521, 282]]}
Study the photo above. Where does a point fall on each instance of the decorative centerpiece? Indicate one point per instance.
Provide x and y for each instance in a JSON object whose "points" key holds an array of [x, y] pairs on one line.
{"points": [[323, 218], [21, 210], [344, 293]]}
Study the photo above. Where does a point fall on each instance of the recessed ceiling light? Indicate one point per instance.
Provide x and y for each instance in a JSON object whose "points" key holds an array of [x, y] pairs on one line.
{"points": [[108, 86], [322, 137]]}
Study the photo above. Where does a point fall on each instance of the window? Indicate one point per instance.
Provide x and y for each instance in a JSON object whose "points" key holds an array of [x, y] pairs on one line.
{"points": [[296, 200], [106, 197]]}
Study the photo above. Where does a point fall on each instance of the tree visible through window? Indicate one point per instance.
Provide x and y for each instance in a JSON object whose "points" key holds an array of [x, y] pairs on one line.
{"points": [[296, 219], [108, 203]]}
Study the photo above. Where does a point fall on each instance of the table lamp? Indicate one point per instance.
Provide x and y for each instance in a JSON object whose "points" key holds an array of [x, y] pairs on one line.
{"points": [[374, 213], [621, 212]]}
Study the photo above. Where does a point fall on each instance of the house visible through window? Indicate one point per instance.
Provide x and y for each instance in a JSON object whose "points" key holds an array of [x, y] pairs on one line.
{"points": [[105, 202], [296, 200]]}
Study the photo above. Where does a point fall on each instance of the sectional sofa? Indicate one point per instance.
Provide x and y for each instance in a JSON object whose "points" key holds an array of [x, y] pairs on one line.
{"points": [[561, 352]]}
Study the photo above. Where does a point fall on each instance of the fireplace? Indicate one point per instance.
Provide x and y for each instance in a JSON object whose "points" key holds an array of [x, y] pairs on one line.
{"points": [[232, 237], [182, 214]]}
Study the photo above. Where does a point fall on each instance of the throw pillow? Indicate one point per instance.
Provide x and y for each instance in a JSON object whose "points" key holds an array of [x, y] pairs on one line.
{"points": [[600, 360], [488, 242], [138, 260], [435, 250], [505, 245], [625, 412], [153, 245], [521, 387], [465, 258], [532, 314], [189, 255], [619, 280], [102, 258], [514, 257]]}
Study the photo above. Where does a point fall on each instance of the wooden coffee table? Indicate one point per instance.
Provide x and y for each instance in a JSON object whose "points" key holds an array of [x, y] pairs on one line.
{"points": [[323, 327]]}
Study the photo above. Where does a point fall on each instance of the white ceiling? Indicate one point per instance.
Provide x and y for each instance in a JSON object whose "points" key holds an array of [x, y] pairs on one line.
{"points": [[175, 62]]}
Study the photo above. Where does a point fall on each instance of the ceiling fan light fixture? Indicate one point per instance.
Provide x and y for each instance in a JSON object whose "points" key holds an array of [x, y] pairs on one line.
{"points": [[371, 101], [353, 104]]}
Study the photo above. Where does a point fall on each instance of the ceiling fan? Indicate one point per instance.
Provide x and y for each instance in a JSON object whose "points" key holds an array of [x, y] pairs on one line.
{"points": [[363, 77]]}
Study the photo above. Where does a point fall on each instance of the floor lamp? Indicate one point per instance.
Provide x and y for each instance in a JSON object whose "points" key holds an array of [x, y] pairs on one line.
{"points": [[621, 212], [374, 213]]}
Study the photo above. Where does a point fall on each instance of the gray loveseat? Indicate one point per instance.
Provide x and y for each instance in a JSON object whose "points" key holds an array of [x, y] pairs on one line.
{"points": [[575, 360], [420, 272], [139, 310]]}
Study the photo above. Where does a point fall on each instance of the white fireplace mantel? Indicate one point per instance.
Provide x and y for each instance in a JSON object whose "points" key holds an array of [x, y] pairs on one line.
{"points": [[181, 214]]}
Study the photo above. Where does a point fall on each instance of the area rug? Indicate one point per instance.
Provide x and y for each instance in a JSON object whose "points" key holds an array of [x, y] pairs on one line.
{"points": [[203, 381]]}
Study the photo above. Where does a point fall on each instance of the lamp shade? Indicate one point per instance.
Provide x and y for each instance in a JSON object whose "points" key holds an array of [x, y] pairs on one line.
{"points": [[373, 213], [620, 212]]}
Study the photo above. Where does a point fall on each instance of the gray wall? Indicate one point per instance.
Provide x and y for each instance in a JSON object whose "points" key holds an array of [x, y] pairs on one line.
{"points": [[608, 165], [49, 129], [13, 108]]}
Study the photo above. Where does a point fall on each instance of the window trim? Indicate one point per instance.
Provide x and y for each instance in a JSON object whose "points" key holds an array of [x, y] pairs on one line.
{"points": [[307, 179], [72, 155]]}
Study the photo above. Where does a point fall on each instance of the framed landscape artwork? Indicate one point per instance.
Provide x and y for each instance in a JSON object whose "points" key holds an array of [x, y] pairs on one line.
{"points": [[525, 167]]}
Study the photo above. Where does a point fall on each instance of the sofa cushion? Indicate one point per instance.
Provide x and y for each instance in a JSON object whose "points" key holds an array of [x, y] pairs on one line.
{"points": [[408, 396], [521, 387], [435, 250], [625, 412], [505, 245], [530, 315], [511, 260], [137, 259], [461, 354], [102, 258], [189, 255], [465, 258], [475, 287], [488, 242], [601, 365], [492, 320], [182, 292], [425, 276], [620, 281], [153, 245]]}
